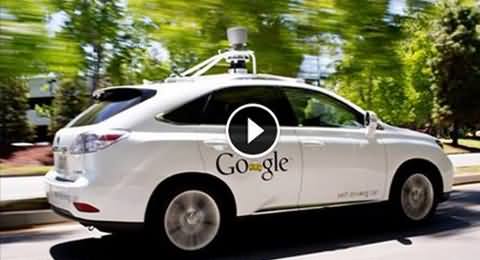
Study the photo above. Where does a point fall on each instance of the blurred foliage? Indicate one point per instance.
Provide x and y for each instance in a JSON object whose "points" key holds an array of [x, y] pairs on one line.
{"points": [[370, 73], [415, 51], [389, 62], [93, 26], [25, 46], [14, 125], [130, 62], [71, 98], [114, 42], [456, 65], [193, 32], [281, 32]]}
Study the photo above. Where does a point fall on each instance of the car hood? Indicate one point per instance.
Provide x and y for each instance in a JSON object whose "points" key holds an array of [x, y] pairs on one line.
{"points": [[408, 132]]}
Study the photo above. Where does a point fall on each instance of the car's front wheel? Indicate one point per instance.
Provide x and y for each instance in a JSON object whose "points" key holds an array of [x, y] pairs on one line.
{"points": [[414, 197]]}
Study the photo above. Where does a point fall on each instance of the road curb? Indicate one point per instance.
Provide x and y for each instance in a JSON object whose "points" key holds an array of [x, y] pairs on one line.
{"points": [[26, 218], [3, 175], [466, 178]]}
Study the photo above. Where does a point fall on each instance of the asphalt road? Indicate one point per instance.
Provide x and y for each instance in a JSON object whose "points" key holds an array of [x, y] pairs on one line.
{"points": [[360, 232]]}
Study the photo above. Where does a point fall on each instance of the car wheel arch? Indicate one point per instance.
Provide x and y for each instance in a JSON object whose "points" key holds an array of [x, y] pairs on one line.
{"points": [[425, 166], [198, 178]]}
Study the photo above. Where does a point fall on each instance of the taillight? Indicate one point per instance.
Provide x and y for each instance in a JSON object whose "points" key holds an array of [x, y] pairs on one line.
{"points": [[85, 207], [93, 141]]}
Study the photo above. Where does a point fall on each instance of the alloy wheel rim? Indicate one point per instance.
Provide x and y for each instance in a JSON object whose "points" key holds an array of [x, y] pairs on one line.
{"points": [[192, 220], [417, 196]]}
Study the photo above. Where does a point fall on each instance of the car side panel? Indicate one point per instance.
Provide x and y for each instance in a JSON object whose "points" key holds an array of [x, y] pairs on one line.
{"points": [[401, 148], [271, 182]]}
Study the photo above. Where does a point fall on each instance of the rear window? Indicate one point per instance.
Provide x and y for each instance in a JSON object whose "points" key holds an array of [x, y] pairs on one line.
{"points": [[111, 102]]}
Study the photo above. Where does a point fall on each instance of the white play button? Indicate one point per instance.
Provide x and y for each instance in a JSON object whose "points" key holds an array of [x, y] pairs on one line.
{"points": [[253, 130]]}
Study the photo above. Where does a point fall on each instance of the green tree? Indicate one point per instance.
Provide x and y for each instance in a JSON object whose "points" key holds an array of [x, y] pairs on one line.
{"points": [[370, 72], [415, 51], [456, 65], [14, 124], [71, 98], [26, 47], [93, 25], [130, 61], [193, 32], [113, 41]]}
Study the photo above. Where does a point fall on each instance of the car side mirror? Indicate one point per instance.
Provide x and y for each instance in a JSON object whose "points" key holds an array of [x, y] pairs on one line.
{"points": [[371, 122]]}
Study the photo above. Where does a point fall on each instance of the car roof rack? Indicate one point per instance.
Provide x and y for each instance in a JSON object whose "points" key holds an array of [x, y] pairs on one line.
{"points": [[269, 77], [235, 77], [237, 56]]}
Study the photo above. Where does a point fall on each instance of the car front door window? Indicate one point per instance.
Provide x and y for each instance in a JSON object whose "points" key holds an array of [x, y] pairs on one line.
{"points": [[316, 109]]}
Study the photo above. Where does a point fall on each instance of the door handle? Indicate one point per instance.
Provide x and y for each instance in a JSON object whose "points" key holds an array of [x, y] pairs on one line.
{"points": [[217, 144], [313, 143]]}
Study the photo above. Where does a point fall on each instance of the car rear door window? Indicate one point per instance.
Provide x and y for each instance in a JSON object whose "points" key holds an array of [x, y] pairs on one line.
{"points": [[189, 113], [222, 103], [215, 108]]}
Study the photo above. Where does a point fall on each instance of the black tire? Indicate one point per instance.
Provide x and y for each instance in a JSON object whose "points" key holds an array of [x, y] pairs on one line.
{"points": [[156, 223], [400, 207]]}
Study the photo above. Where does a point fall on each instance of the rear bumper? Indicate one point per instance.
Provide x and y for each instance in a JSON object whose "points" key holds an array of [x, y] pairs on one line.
{"points": [[105, 226], [114, 202]]}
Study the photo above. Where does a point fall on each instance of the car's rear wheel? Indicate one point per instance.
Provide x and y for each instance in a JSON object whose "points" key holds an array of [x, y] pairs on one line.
{"points": [[192, 220], [188, 220], [414, 197]]}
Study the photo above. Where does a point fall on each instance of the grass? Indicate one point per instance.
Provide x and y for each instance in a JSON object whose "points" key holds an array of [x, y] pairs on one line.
{"points": [[473, 143], [26, 204], [464, 146], [24, 170], [468, 169]]}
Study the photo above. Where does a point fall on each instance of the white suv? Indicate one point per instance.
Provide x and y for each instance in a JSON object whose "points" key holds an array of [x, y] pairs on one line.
{"points": [[158, 155]]}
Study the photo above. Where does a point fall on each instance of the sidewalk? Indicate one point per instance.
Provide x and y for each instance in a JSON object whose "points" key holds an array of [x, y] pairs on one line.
{"points": [[17, 188], [460, 160]]}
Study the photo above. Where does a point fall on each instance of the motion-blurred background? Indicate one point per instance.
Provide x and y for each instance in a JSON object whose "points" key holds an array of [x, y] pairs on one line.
{"points": [[416, 63]]}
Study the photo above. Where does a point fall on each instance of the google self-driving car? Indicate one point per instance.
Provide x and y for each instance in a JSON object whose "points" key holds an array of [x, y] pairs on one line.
{"points": [[159, 156]]}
